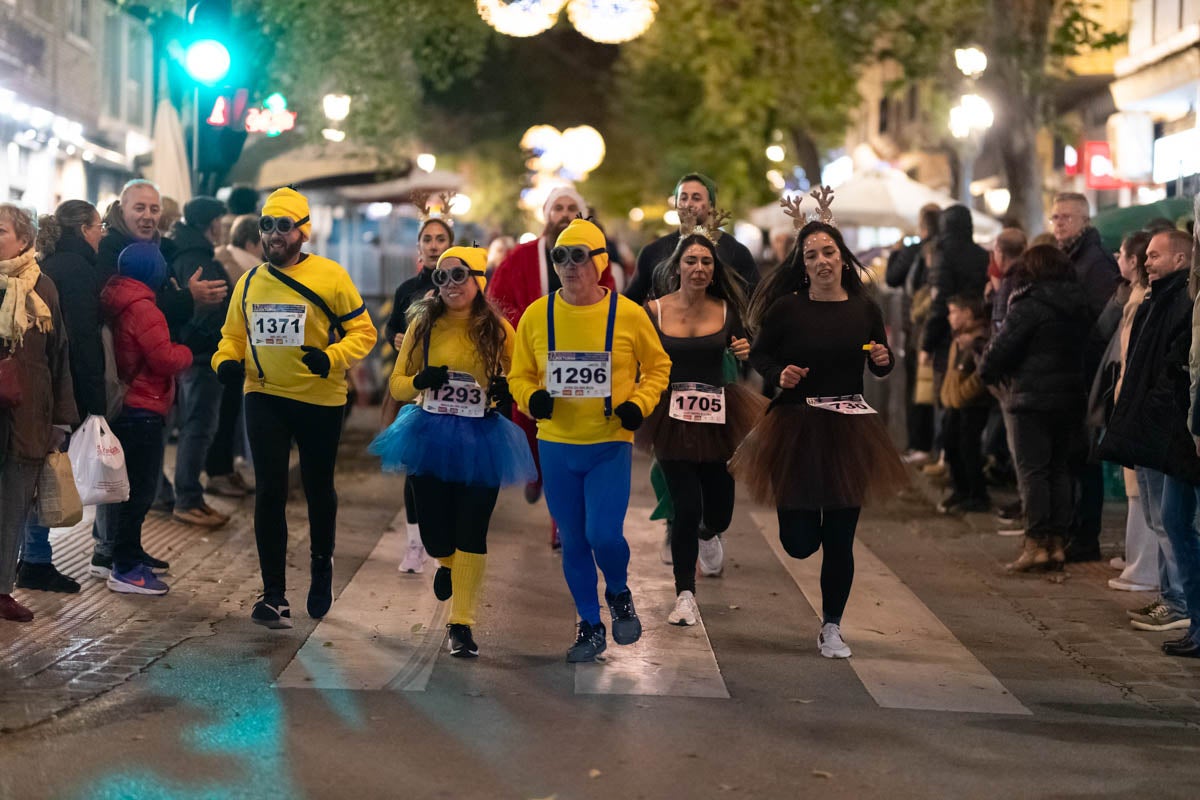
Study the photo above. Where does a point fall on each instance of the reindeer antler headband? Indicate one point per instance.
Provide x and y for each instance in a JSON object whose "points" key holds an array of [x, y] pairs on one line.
{"points": [[824, 213], [420, 199], [711, 230]]}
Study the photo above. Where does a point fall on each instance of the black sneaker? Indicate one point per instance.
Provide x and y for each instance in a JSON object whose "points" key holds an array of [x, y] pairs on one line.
{"points": [[443, 587], [272, 613], [1011, 512], [101, 566], [155, 564], [44, 578], [459, 640], [589, 643], [320, 590], [627, 628]]}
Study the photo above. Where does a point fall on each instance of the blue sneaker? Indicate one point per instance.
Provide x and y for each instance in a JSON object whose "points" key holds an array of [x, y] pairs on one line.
{"points": [[626, 626], [589, 643], [139, 580]]}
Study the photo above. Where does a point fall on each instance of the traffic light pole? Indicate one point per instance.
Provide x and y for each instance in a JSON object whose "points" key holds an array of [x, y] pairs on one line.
{"points": [[196, 141]]}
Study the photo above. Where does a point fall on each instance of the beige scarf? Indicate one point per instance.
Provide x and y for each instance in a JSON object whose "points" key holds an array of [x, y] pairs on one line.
{"points": [[21, 308]]}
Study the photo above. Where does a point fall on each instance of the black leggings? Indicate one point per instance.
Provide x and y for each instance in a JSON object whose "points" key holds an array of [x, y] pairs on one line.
{"points": [[700, 492], [410, 502], [453, 516], [272, 423], [220, 453], [803, 531]]}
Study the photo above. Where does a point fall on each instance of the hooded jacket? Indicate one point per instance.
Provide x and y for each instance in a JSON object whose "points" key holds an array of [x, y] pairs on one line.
{"points": [[1039, 350], [1095, 268], [201, 333], [1149, 427], [173, 299], [79, 279], [147, 361], [960, 268]]}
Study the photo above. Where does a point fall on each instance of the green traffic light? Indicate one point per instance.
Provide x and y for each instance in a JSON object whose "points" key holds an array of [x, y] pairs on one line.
{"points": [[207, 61]]}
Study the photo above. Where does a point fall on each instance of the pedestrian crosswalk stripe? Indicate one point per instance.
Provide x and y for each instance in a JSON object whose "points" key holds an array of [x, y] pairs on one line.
{"points": [[383, 631], [903, 654], [668, 660]]}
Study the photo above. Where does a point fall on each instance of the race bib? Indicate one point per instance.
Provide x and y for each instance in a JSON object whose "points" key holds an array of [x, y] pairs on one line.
{"points": [[277, 324], [697, 402], [843, 404], [460, 396], [578, 374]]}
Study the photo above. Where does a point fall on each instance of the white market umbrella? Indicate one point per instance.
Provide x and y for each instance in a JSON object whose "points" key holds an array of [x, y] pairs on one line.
{"points": [[880, 197], [169, 167]]}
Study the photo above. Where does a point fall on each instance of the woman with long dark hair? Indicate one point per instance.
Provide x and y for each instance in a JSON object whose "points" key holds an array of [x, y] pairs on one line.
{"points": [[1038, 354], [703, 416], [454, 447], [821, 452]]}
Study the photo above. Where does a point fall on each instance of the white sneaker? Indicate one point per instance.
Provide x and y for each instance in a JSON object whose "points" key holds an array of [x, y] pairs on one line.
{"points": [[664, 554], [685, 611], [830, 642], [1117, 563], [414, 559], [1122, 585], [712, 557]]}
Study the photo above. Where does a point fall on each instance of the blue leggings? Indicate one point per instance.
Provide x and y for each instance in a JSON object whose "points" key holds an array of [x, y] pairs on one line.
{"points": [[587, 492]]}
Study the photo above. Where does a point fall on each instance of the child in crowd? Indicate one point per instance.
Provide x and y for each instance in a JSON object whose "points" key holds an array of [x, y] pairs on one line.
{"points": [[967, 405]]}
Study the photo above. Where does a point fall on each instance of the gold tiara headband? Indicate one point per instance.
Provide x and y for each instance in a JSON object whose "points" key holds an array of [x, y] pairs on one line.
{"points": [[711, 230], [824, 212], [420, 199]]}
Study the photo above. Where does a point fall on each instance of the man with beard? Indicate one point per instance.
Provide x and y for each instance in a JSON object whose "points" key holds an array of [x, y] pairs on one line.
{"points": [[698, 194], [295, 325], [525, 275]]}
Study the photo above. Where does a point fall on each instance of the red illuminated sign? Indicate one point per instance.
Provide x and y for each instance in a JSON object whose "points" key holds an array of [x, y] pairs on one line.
{"points": [[1098, 167]]}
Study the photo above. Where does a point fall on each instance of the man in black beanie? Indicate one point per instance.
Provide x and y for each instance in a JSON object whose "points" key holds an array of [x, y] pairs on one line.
{"points": [[195, 237]]}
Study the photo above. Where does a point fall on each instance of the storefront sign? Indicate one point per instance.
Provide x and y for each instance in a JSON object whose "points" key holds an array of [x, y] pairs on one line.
{"points": [[1177, 155]]}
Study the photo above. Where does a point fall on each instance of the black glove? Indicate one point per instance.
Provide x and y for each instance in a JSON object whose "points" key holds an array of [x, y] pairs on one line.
{"points": [[231, 373], [630, 414], [498, 391], [431, 378], [541, 404], [315, 359]]}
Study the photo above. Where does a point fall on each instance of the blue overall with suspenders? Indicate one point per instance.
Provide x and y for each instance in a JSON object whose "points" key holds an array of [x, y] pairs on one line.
{"points": [[608, 335]]}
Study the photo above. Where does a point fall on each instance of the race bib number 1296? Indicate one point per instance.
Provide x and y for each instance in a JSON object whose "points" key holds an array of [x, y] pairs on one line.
{"points": [[570, 374]]}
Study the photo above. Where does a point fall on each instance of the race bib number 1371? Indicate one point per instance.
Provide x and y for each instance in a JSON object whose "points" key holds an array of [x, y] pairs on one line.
{"points": [[277, 324]]}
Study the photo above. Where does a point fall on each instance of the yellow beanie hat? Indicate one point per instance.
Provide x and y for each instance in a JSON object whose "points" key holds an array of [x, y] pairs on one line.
{"points": [[288, 202], [474, 257], [584, 232]]}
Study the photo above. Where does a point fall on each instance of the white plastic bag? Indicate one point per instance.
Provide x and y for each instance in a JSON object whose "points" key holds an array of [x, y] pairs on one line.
{"points": [[98, 463]]}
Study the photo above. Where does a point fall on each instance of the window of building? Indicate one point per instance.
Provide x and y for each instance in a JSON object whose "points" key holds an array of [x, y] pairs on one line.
{"points": [[127, 69], [79, 18]]}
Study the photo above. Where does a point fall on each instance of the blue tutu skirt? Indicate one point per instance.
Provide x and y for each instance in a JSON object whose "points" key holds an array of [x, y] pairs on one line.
{"points": [[487, 451]]}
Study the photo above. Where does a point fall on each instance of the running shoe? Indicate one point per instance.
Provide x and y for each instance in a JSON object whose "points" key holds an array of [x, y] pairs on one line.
{"points": [[1012, 512], [830, 641], [627, 628], [711, 557], [589, 643], [1161, 618], [272, 613], [1145, 610], [414, 559], [443, 586], [101, 566], [685, 611], [460, 642], [156, 565], [139, 580], [320, 590]]}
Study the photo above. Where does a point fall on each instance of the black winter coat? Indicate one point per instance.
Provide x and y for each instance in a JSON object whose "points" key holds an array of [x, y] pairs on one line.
{"points": [[960, 268], [201, 332], [174, 299], [1148, 427], [79, 280], [1038, 351], [1095, 268]]}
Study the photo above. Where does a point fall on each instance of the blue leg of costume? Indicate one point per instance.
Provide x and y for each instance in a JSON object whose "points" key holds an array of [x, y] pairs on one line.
{"points": [[587, 492]]}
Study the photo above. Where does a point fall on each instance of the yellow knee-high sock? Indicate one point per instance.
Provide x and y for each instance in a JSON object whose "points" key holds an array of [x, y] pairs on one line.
{"points": [[468, 583], [447, 562]]}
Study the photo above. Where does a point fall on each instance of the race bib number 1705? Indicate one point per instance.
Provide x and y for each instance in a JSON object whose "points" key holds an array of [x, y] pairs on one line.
{"points": [[697, 402]]}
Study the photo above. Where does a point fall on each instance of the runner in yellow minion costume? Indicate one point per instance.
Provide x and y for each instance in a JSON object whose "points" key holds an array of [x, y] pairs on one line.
{"points": [[576, 367], [295, 325], [456, 447]]}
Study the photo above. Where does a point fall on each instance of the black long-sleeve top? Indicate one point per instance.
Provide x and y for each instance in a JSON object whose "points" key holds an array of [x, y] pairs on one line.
{"points": [[407, 293], [825, 337]]}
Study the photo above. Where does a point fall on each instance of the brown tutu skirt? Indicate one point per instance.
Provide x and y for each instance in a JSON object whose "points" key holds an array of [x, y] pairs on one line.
{"points": [[805, 457], [675, 440]]}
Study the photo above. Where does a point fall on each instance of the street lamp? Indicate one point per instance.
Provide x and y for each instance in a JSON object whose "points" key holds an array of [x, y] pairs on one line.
{"points": [[970, 118], [336, 107]]}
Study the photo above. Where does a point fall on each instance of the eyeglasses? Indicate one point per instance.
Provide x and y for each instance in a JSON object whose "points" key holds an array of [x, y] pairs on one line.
{"points": [[454, 275], [573, 255], [1062, 217], [284, 225]]}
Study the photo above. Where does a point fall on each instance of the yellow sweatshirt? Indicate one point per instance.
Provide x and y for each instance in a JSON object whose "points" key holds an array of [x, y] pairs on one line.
{"points": [[277, 369], [450, 346], [581, 328]]}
